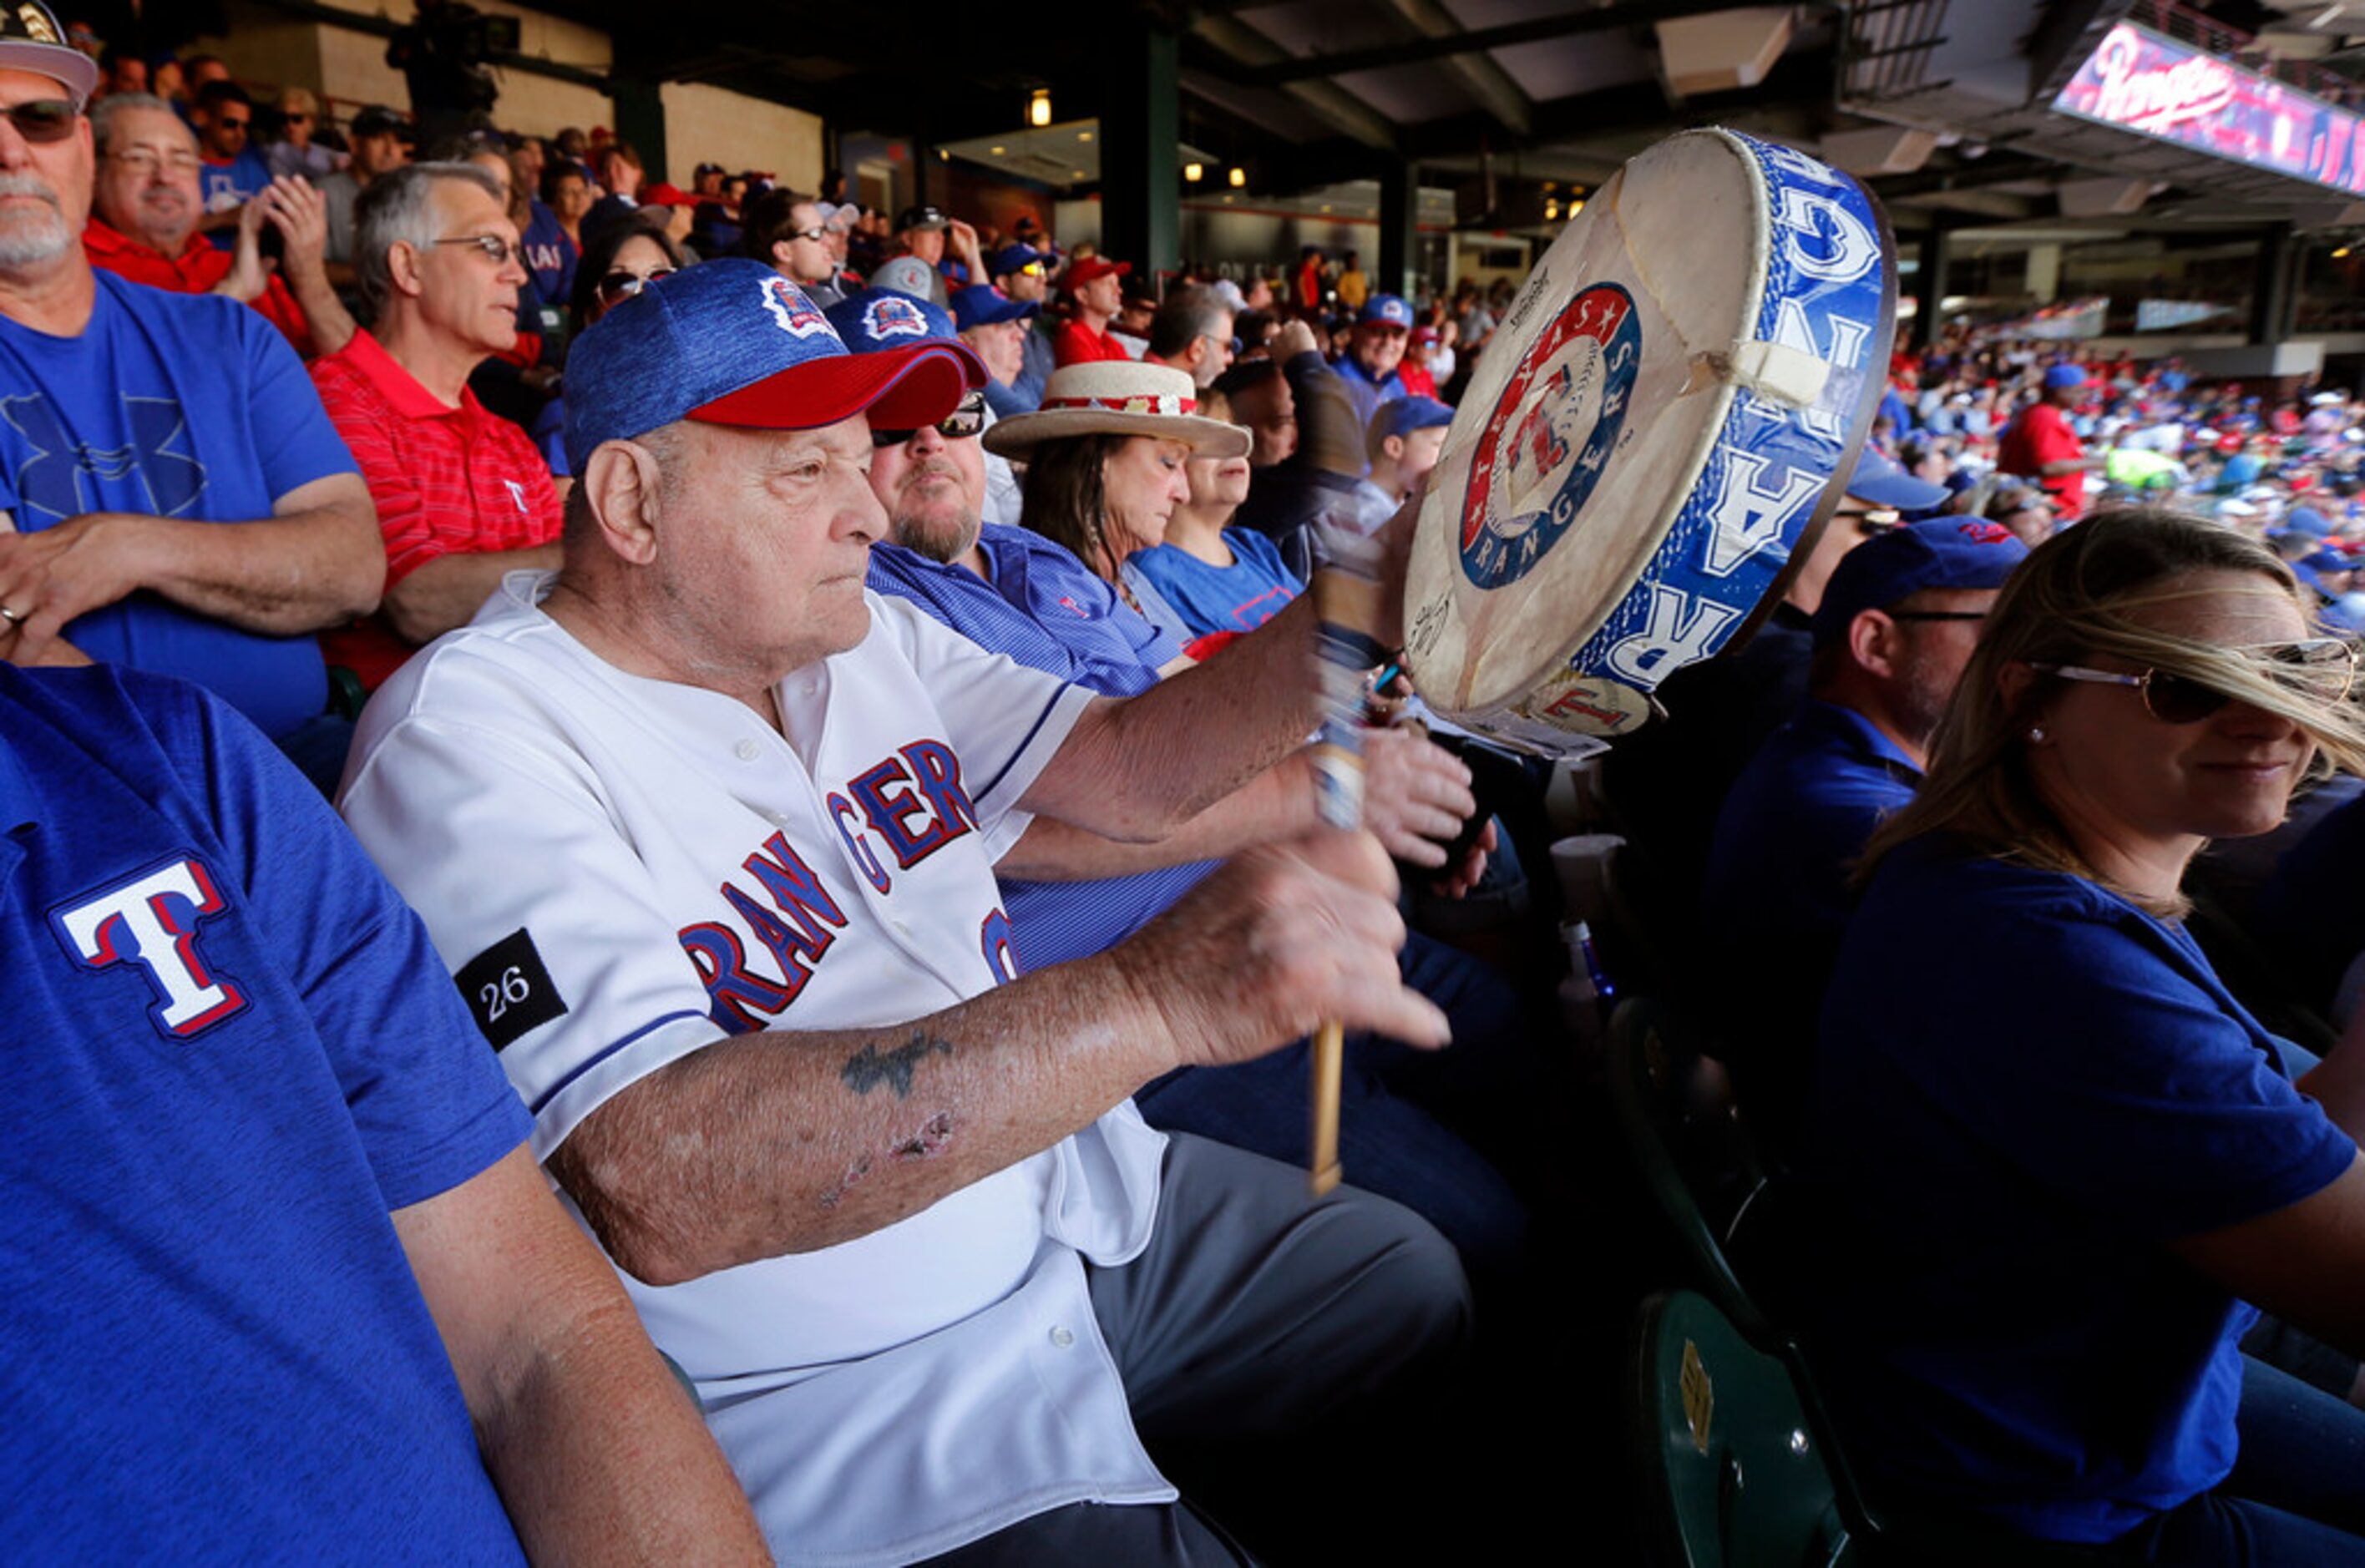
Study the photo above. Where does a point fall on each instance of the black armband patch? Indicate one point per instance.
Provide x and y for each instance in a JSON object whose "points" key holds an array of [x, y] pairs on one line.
{"points": [[509, 989]]}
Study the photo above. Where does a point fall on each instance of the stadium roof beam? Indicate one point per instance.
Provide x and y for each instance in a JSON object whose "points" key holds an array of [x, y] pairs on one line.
{"points": [[1251, 52], [1798, 81], [1479, 74], [1289, 68]]}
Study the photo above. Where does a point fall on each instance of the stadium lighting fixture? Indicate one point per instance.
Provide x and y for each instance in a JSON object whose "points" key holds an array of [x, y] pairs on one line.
{"points": [[1039, 108], [1194, 172], [1239, 177]]}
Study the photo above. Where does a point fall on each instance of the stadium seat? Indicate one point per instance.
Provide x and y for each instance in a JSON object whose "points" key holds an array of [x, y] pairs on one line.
{"points": [[1732, 1472], [1675, 1107]]}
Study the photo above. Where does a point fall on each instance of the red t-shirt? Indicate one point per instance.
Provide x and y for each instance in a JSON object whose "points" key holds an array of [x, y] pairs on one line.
{"points": [[2042, 436], [197, 270], [1076, 343], [446, 481]]}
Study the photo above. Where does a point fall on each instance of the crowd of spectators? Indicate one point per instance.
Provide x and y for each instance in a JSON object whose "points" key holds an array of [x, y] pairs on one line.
{"points": [[831, 689]]}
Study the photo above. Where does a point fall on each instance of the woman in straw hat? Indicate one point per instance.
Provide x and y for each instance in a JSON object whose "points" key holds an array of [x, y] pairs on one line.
{"points": [[2065, 1166], [1105, 459]]}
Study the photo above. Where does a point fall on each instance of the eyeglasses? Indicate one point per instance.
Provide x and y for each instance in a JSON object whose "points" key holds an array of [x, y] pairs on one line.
{"points": [[960, 425], [494, 249], [43, 121], [2321, 669], [292, 119], [232, 124], [816, 235], [145, 161], [621, 286]]}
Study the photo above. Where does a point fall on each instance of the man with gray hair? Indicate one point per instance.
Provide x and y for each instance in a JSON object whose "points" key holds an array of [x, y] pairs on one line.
{"points": [[143, 226], [1192, 333], [462, 495]]}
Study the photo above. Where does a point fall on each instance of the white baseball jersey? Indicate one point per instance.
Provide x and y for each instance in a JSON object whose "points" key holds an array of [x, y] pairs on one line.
{"points": [[621, 870]]}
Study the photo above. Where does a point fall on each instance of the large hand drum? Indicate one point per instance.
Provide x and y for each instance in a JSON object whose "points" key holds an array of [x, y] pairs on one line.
{"points": [[1663, 420]]}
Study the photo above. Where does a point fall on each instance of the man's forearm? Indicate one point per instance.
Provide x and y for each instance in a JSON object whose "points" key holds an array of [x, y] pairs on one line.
{"points": [[1136, 769], [298, 572], [448, 591], [332, 325], [774, 1143], [1277, 803]]}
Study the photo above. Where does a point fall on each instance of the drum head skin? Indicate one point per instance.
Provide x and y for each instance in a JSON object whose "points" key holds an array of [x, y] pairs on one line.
{"points": [[1666, 415]]}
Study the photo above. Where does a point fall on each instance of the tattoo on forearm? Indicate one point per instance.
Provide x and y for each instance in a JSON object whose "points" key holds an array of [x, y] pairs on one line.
{"points": [[867, 1069]]}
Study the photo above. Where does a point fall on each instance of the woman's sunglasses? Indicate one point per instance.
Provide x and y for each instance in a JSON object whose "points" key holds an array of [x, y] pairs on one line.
{"points": [[2320, 669], [621, 286]]}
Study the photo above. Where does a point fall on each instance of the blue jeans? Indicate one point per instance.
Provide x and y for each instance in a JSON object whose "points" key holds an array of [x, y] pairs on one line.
{"points": [[2297, 1498], [1399, 1108]]}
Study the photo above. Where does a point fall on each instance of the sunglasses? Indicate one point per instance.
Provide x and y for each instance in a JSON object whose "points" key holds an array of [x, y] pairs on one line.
{"points": [[2321, 669], [959, 425], [44, 121], [1870, 520], [621, 285]]}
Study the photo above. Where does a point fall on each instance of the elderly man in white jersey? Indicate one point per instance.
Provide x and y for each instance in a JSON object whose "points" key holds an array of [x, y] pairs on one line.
{"points": [[706, 832]]}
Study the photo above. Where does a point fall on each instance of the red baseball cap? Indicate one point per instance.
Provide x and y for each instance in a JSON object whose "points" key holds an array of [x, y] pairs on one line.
{"points": [[1082, 272]]}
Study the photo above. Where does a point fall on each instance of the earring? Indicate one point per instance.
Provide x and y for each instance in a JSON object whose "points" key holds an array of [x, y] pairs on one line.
{"points": [[2036, 734]]}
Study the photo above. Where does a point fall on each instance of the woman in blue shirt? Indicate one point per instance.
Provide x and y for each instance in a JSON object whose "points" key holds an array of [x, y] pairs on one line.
{"points": [[2063, 1159]]}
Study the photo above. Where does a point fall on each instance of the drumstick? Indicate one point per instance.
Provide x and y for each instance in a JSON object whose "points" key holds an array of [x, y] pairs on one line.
{"points": [[1344, 659]]}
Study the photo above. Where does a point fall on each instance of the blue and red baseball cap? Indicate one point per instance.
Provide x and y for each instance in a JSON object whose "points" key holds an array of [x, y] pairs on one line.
{"points": [[881, 321], [1886, 569], [733, 342], [983, 305], [1402, 415], [2059, 377], [1386, 310]]}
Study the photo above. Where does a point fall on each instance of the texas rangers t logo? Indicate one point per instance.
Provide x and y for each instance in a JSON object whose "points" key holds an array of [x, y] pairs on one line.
{"points": [[151, 920], [1550, 436]]}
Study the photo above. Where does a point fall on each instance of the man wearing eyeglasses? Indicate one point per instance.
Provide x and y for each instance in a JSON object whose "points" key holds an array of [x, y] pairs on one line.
{"points": [[295, 153], [1896, 625], [784, 230], [171, 496], [232, 172], [143, 226], [463, 496]]}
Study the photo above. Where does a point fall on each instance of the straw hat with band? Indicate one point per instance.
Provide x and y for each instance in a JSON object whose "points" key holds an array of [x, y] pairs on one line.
{"points": [[1112, 397]]}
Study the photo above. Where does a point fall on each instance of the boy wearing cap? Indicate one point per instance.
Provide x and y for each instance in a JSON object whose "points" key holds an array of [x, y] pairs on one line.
{"points": [[1897, 624], [717, 828], [1405, 438]]}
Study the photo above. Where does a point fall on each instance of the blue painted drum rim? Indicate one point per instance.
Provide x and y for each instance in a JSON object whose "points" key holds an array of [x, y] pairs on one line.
{"points": [[1774, 469]]}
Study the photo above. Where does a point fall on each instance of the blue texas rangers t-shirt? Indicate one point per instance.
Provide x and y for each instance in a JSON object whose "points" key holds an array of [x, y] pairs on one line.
{"points": [[1203, 598], [2025, 1088], [170, 404], [550, 256], [226, 184], [231, 1054]]}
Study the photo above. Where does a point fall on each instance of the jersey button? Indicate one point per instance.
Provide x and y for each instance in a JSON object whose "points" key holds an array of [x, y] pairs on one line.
{"points": [[748, 751], [1063, 1337]]}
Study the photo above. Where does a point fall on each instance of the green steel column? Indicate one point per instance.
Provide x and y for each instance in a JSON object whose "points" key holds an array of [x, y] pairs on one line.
{"points": [[1399, 227], [640, 119], [1141, 177]]}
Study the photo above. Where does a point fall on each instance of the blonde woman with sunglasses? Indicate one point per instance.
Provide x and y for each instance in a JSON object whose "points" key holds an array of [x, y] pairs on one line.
{"points": [[2064, 1167]]}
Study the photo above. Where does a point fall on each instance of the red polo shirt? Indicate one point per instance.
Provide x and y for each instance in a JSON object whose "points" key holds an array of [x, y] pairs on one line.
{"points": [[1076, 343], [446, 481], [2042, 436], [197, 270]]}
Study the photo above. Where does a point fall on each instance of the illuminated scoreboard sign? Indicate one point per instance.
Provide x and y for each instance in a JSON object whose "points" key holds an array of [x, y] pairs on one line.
{"points": [[2155, 87]]}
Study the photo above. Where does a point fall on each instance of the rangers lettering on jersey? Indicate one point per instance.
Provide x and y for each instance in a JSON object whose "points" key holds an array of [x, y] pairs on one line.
{"points": [[151, 920]]}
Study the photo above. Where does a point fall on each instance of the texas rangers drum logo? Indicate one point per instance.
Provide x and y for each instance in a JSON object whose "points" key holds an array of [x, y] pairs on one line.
{"points": [[1550, 436]]}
